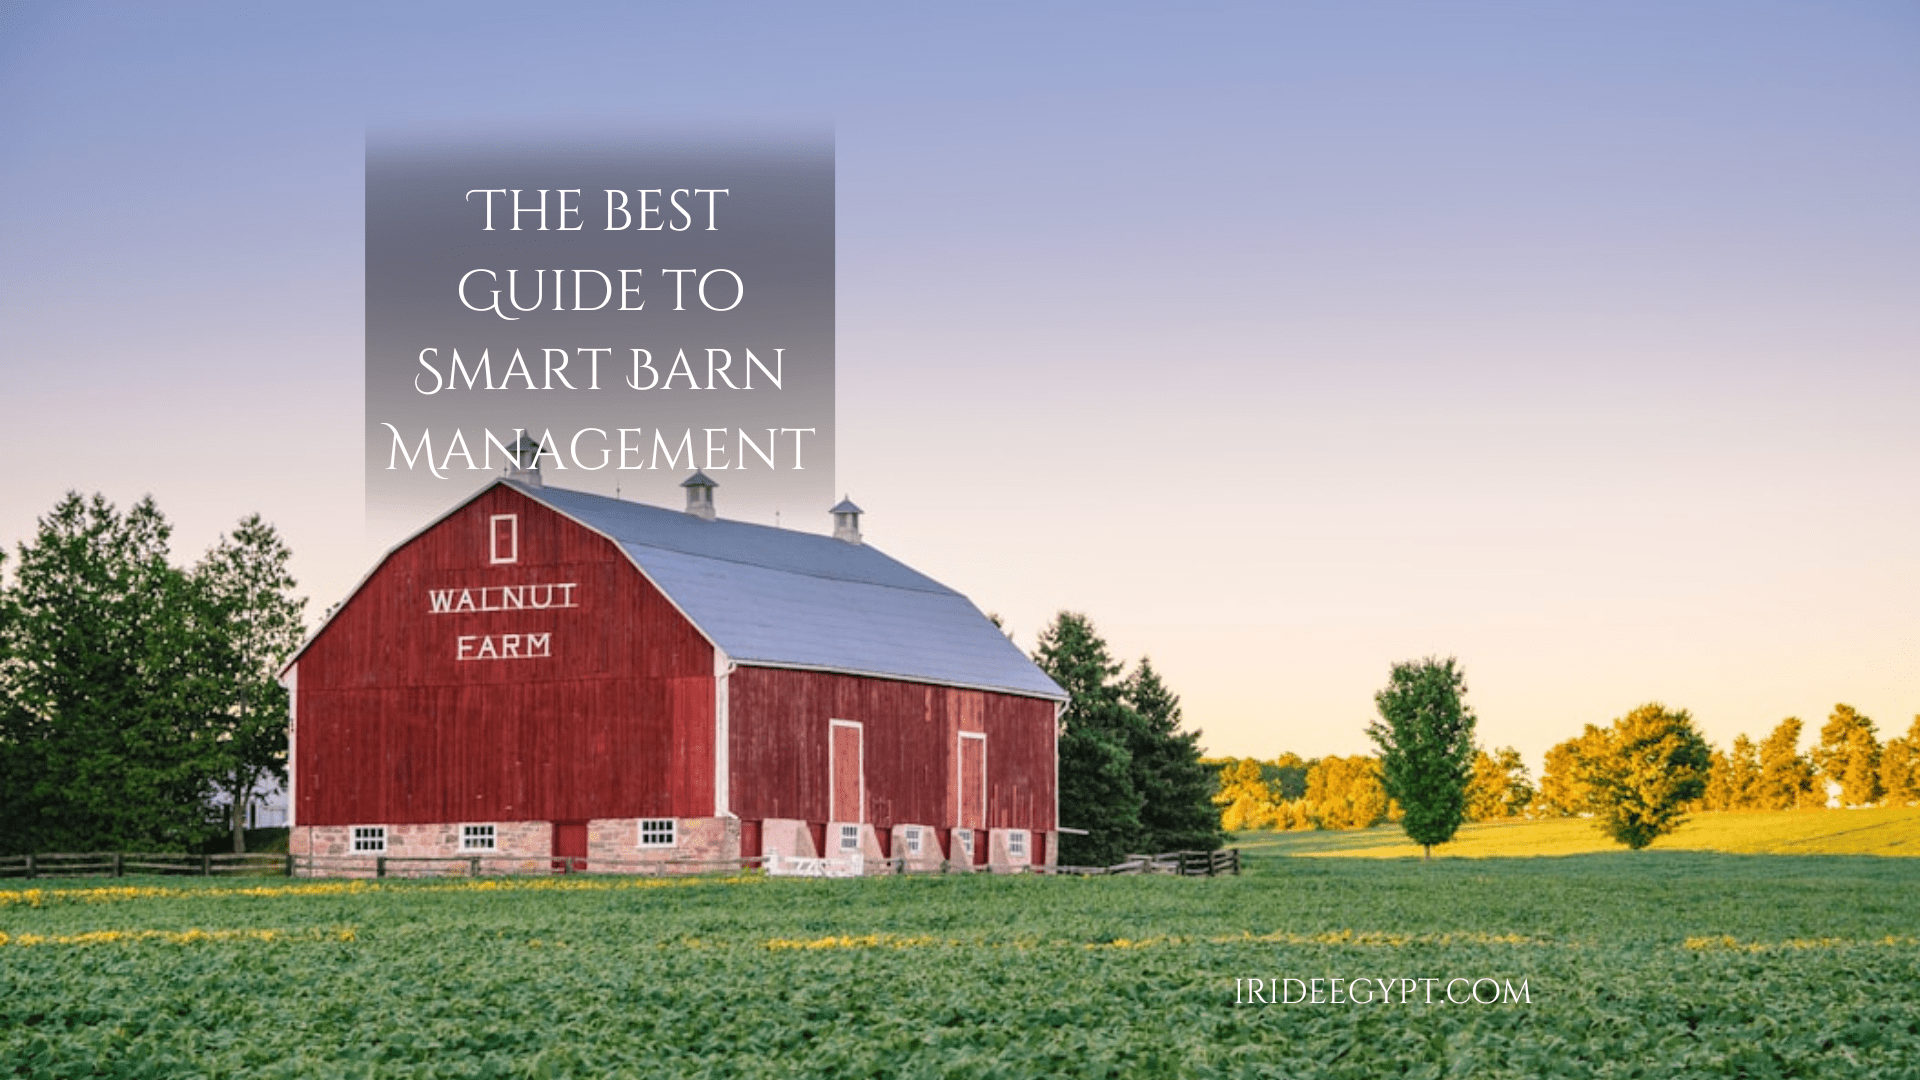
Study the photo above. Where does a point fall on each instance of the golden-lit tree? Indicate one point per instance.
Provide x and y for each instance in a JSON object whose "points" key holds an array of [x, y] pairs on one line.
{"points": [[1786, 776], [1562, 791], [1900, 767], [1652, 764], [1346, 793], [1500, 787], [1849, 755]]}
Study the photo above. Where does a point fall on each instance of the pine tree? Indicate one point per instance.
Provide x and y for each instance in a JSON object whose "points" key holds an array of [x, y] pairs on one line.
{"points": [[1733, 777], [1652, 763], [1900, 767], [1176, 809], [1425, 735], [1097, 791], [1849, 756], [1786, 777]]}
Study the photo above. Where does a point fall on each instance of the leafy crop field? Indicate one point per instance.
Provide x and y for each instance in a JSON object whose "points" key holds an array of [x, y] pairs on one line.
{"points": [[1891, 830], [1648, 964]]}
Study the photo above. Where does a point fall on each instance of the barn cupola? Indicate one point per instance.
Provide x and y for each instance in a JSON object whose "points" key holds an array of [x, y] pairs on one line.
{"points": [[524, 463], [699, 495], [846, 521]]}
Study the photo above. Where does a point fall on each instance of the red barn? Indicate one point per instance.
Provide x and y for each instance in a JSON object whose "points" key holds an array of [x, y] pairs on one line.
{"points": [[543, 673]]}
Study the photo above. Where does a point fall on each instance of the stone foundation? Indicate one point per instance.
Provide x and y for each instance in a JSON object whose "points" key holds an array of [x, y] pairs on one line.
{"points": [[701, 845], [520, 847]]}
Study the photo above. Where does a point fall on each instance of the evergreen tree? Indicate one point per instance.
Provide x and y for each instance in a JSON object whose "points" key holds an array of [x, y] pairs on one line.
{"points": [[1733, 777], [1900, 767], [1849, 756], [256, 626], [1425, 735], [111, 681], [1786, 777], [1097, 791], [1652, 763], [1176, 808]]}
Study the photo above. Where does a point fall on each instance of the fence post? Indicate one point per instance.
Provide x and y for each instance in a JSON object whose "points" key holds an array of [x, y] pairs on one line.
{"points": [[29, 864], [380, 866], [473, 866], [206, 866], [1236, 862], [289, 864], [119, 864]]}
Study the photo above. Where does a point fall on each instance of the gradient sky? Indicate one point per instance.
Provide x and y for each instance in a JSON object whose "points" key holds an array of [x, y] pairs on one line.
{"points": [[1581, 342]]}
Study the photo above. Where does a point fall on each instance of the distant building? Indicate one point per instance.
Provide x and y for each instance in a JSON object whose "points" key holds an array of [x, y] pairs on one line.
{"points": [[543, 673]]}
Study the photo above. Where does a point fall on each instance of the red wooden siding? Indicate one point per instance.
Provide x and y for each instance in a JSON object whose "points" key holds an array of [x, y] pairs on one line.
{"points": [[616, 722], [779, 742]]}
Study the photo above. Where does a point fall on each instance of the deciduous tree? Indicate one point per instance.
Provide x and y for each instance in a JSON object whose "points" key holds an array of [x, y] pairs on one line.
{"points": [[256, 624], [1500, 787], [112, 680], [1562, 792], [1346, 793], [1425, 736], [1652, 763]]}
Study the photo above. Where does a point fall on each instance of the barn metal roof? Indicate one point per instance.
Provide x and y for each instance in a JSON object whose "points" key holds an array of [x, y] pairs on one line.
{"points": [[794, 599]]}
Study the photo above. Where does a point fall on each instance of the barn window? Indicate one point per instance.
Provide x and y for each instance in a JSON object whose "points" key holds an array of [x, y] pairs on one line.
{"points": [[1017, 843], [505, 530], [913, 841], [656, 832], [849, 838], [476, 838], [963, 839], [369, 838]]}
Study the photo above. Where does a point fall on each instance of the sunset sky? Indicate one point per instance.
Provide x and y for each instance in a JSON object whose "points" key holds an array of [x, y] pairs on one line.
{"points": [[1580, 342]]}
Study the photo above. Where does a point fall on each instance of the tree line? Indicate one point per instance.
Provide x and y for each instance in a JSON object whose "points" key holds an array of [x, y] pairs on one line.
{"points": [[137, 696], [1637, 777]]}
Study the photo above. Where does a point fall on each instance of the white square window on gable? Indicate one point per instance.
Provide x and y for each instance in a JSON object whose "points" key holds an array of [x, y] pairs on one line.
{"points": [[504, 536]]}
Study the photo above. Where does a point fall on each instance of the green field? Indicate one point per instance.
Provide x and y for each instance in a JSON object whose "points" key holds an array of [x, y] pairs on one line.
{"points": [[1878, 831], [1634, 964]]}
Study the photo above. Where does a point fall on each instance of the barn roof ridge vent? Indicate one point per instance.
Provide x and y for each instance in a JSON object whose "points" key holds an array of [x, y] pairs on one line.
{"points": [[846, 520], [700, 494], [523, 461]]}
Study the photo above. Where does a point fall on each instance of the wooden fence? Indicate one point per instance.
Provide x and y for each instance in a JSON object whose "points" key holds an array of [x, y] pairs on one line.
{"points": [[119, 864]]}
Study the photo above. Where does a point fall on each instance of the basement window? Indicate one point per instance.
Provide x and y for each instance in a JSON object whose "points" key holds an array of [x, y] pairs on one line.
{"points": [[913, 841], [1017, 843], [849, 838], [370, 838], [476, 838], [963, 840], [656, 832]]}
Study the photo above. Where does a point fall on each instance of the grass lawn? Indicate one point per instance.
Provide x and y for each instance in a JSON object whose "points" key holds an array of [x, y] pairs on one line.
{"points": [[1876, 831]]}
